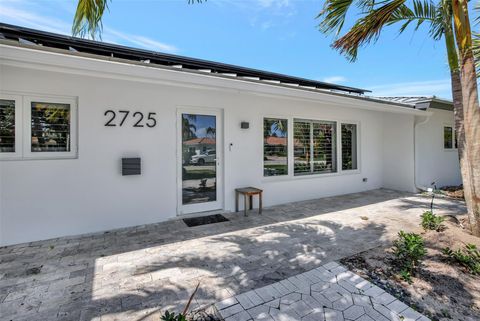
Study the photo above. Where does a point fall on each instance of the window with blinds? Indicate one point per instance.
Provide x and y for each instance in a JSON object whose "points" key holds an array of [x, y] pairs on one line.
{"points": [[7, 126], [349, 146], [314, 147], [275, 147], [50, 124]]}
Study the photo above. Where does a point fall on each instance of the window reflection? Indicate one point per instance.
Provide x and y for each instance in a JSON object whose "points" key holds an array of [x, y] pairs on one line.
{"points": [[275, 147], [199, 184]]}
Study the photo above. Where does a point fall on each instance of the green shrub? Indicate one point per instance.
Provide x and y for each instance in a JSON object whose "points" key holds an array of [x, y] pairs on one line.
{"points": [[173, 317], [406, 276], [432, 222], [409, 249], [469, 257]]}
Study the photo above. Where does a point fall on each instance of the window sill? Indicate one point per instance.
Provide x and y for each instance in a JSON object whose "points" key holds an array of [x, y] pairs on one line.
{"points": [[308, 176]]}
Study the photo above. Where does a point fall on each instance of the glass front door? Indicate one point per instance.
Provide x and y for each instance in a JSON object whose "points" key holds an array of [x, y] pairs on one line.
{"points": [[199, 177]]}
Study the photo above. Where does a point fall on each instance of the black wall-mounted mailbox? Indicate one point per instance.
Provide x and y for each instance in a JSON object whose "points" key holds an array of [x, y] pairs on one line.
{"points": [[244, 125], [131, 166]]}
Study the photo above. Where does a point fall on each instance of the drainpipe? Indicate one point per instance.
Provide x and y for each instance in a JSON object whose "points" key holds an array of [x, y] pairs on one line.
{"points": [[418, 121]]}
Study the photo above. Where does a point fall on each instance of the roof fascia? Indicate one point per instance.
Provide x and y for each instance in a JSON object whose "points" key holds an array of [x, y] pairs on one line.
{"points": [[86, 64]]}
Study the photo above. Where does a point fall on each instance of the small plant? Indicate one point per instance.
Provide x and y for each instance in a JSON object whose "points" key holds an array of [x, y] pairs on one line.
{"points": [[469, 257], [406, 276], [432, 222], [171, 316], [409, 249]]}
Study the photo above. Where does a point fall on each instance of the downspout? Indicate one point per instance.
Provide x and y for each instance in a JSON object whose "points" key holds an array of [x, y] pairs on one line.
{"points": [[417, 122]]}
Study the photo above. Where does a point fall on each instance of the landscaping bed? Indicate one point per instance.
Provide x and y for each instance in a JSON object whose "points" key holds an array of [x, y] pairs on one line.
{"points": [[440, 288]]}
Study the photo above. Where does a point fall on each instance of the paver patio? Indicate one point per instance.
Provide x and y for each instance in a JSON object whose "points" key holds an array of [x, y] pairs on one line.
{"points": [[134, 273], [327, 293]]}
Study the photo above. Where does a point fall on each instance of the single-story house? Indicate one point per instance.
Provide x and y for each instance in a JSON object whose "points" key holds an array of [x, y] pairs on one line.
{"points": [[93, 137]]}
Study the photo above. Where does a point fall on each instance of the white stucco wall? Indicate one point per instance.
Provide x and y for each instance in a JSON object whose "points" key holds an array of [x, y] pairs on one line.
{"points": [[42, 199], [398, 149], [434, 162]]}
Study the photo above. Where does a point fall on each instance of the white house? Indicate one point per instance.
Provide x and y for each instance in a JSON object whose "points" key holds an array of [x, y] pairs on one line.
{"points": [[95, 136]]}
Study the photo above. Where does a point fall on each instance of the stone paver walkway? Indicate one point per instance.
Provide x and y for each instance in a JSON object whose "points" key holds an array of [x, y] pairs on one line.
{"points": [[327, 293], [135, 273]]}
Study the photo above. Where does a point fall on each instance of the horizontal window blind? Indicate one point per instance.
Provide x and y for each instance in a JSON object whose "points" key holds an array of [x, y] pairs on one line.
{"points": [[302, 147], [7, 126], [349, 146], [315, 147], [324, 147], [50, 127], [275, 147]]}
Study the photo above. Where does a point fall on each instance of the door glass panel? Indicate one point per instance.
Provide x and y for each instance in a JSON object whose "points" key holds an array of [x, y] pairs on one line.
{"points": [[199, 162]]}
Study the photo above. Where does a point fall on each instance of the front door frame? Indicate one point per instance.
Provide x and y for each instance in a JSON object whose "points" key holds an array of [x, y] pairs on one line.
{"points": [[207, 206]]}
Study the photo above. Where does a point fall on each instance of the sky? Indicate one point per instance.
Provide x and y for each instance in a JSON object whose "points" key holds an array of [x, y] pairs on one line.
{"points": [[274, 35]]}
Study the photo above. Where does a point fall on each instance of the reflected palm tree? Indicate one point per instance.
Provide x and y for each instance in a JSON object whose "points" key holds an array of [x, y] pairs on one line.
{"points": [[211, 131], [188, 126]]}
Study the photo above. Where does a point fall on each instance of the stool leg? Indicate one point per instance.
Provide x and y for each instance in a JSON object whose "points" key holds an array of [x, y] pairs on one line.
{"points": [[251, 202], [260, 203], [236, 201], [245, 201]]}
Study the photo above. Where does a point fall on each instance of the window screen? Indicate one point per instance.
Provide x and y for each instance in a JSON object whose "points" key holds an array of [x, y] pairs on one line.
{"points": [[447, 137], [314, 147], [7, 126], [275, 147], [349, 146], [50, 127]]}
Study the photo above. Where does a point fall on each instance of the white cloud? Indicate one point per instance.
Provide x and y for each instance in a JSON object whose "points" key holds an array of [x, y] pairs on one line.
{"points": [[334, 79], [140, 41], [12, 15], [273, 3], [440, 87], [32, 20]]}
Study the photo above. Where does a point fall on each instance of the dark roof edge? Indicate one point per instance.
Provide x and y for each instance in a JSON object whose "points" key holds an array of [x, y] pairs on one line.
{"points": [[48, 39]]}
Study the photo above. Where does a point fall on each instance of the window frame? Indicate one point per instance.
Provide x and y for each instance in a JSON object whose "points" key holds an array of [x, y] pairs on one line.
{"points": [[17, 154], [290, 139], [335, 160], [357, 145], [27, 127], [454, 133], [286, 118]]}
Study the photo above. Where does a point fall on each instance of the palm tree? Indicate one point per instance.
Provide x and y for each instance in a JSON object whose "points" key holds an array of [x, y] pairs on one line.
{"points": [[88, 17], [448, 19]]}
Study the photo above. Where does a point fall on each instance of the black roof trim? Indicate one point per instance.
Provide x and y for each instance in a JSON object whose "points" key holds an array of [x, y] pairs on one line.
{"points": [[53, 40]]}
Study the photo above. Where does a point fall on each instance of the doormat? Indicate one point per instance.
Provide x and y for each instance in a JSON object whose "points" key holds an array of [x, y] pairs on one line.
{"points": [[203, 220]]}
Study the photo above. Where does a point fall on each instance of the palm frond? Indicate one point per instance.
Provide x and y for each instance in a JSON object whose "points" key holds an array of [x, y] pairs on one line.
{"points": [[333, 15], [367, 28], [88, 18]]}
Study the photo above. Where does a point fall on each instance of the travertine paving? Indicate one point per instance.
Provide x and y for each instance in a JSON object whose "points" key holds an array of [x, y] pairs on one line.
{"points": [[135, 273], [327, 293]]}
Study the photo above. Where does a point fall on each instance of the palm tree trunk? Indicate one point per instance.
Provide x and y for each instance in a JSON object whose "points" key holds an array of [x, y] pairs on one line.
{"points": [[469, 142]]}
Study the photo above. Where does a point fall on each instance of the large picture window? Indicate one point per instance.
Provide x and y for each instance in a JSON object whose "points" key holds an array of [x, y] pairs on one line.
{"points": [[349, 146], [275, 147], [50, 127], [7, 126], [314, 147]]}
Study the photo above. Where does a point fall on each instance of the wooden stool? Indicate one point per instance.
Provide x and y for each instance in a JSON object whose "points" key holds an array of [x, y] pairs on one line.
{"points": [[248, 193]]}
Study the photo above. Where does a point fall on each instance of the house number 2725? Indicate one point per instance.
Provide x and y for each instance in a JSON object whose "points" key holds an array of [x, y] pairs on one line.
{"points": [[118, 118]]}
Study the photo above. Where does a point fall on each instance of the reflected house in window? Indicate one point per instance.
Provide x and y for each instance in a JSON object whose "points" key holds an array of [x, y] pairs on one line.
{"points": [[200, 150]]}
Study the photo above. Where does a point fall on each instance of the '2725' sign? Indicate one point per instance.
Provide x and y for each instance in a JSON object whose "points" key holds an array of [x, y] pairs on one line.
{"points": [[139, 118]]}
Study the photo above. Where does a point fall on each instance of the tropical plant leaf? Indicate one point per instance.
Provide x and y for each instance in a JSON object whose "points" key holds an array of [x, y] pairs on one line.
{"points": [[368, 28], [88, 18]]}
